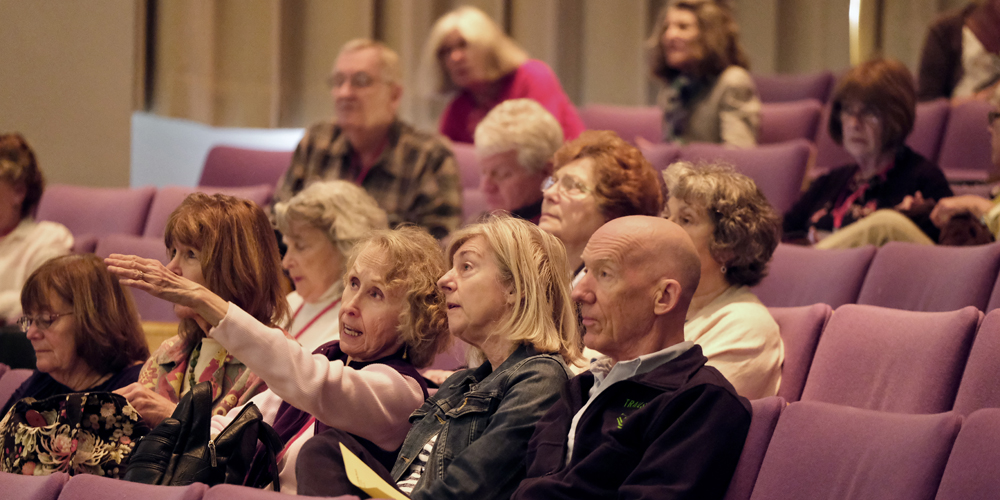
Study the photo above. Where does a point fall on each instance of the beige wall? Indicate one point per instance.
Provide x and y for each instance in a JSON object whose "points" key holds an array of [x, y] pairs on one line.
{"points": [[67, 84]]}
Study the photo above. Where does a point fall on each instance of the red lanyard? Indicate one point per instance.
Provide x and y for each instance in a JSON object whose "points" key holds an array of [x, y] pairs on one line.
{"points": [[310, 323], [297, 435], [841, 210]]}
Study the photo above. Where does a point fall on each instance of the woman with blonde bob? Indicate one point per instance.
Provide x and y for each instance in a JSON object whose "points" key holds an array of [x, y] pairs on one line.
{"points": [[508, 295], [218, 245], [735, 231], [468, 54]]}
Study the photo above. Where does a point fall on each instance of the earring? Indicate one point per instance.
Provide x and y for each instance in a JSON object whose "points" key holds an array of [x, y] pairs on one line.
{"points": [[723, 269]]}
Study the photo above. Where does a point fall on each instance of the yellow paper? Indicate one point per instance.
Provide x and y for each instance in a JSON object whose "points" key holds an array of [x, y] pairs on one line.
{"points": [[365, 478]]}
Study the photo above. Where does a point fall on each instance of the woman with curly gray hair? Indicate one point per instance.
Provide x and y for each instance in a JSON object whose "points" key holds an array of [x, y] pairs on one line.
{"points": [[735, 231]]}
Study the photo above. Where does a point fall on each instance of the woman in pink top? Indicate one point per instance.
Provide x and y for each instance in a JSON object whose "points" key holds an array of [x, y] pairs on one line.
{"points": [[469, 54]]}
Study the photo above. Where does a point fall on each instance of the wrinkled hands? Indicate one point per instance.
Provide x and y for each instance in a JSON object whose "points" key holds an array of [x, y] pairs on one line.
{"points": [[152, 407], [966, 203]]}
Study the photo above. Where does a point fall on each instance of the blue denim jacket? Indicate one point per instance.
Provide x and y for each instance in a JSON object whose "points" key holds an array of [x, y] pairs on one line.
{"points": [[483, 419]]}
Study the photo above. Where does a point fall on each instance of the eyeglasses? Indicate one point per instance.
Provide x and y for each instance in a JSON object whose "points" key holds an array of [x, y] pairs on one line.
{"points": [[567, 185], [992, 117], [860, 114], [43, 322], [357, 80]]}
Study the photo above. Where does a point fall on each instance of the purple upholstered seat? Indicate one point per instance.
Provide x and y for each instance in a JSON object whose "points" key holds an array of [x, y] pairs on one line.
{"points": [[91, 487], [823, 451], [784, 88], [473, 205], [778, 169], [980, 387], [232, 166], [965, 150], [150, 308], [800, 276], [468, 164], [971, 470], [661, 154], [765, 416], [168, 198], [230, 491], [931, 278], [800, 329], [628, 122], [785, 121], [892, 360], [18, 487], [90, 212], [9, 383]]}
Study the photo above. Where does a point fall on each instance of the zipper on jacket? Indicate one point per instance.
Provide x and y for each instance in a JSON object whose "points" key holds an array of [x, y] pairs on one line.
{"points": [[211, 452]]}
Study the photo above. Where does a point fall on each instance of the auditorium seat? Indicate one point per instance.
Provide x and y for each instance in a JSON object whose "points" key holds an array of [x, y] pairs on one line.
{"points": [[230, 491], [660, 154], [10, 381], [891, 360], [778, 169], [18, 487], [829, 452], [931, 277], [628, 122], [150, 308], [765, 416], [228, 166], [786, 121], [965, 148], [784, 88], [90, 213], [91, 487], [473, 205], [975, 457], [800, 276], [980, 387], [800, 329], [467, 163], [168, 198]]}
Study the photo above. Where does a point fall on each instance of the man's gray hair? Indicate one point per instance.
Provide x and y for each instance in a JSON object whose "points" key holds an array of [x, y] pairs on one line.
{"points": [[342, 210], [388, 59], [522, 125]]}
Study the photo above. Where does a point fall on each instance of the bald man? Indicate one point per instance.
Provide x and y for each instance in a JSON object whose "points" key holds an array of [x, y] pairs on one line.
{"points": [[650, 419]]}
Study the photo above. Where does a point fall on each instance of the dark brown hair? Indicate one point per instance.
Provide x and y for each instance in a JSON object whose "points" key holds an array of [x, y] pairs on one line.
{"points": [[886, 88], [627, 184], [19, 167], [718, 45], [108, 336], [238, 254]]}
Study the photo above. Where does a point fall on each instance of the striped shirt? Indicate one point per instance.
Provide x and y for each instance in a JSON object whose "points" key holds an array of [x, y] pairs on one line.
{"points": [[409, 481]]}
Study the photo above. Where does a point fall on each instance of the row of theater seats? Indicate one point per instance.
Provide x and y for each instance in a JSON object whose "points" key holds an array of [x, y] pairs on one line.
{"points": [[884, 404], [897, 275]]}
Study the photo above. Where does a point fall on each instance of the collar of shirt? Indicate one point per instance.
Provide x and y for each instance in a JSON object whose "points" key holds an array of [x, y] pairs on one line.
{"points": [[342, 147]]}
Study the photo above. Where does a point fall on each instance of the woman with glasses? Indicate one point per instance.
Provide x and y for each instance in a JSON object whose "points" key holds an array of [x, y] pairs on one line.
{"points": [[595, 178], [873, 200], [83, 327]]}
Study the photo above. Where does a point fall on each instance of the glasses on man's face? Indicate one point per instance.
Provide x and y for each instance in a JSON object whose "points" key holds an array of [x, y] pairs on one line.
{"points": [[357, 80], [42, 322], [567, 185], [859, 113], [992, 117]]}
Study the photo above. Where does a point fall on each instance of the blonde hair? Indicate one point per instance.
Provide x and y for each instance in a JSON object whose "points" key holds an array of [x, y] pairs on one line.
{"points": [[388, 58], [416, 264], [533, 264], [344, 211], [520, 125], [498, 53]]}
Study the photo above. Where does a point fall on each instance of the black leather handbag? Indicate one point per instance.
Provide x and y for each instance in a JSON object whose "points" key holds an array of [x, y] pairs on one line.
{"points": [[180, 451]]}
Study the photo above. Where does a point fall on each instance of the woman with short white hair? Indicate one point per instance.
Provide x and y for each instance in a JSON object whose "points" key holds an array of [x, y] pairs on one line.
{"points": [[514, 144], [468, 54], [320, 225]]}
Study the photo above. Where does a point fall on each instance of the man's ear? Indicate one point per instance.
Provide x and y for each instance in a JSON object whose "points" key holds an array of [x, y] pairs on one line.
{"points": [[668, 292]]}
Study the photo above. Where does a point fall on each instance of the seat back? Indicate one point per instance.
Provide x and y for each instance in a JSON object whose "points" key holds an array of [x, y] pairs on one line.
{"points": [[800, 329], [975, 456], [892, 360], [90, 213], [91, 487], [230, 491], [784, 88], [628, 122], [20, 487], [661, 154], [10, 381], [979, 387], [473, 205], [800, 276], [786, 121], [931, 278], [965, 150], [168, 198], [228, 166], [778, 169], [765, 416], [822, 451], [468, 164], [150, 308]]}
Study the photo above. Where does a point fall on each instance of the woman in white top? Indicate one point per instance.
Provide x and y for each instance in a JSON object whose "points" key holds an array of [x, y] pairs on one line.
{"points": [[320, 225], [24, 243], [736, 231]]}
